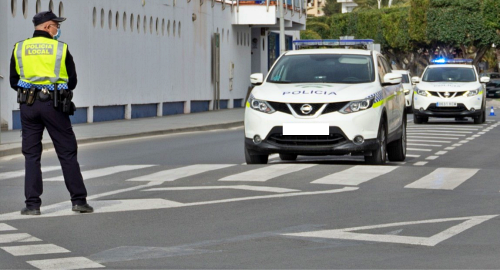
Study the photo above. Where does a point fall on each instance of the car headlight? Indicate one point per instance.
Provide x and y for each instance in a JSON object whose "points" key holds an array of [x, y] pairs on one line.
{"points": [[260, 105], [422, 92], [358, 105], [471, 93]]}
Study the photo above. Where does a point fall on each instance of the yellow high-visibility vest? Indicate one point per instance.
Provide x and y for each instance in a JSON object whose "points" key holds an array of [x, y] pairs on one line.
{"points": [[41, 61]]}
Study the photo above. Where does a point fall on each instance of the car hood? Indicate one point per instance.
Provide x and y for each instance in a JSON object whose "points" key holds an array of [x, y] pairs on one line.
{"points": [[448, 86], [314, 92]]}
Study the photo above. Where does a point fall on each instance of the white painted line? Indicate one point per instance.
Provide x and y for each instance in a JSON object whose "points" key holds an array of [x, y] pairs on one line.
{"points": [[441, 132], [265, 173], [431, 157], [420, 163], [108, 206], [423, 144], [464, 141], [449, 148], [5, 227], [66, 263], [429, 141], [433, 137], [434, 134], [470, 138], [443, 178], [355, 175], [416, 149], [274, 156], [26, 250], [413, 156], [443, 128], [174, 174], [441, 153], [14, 174], [240, 187], [349, 234], [481, 133], [475, 136], [457, 145], [17, 237], [104, 172]]}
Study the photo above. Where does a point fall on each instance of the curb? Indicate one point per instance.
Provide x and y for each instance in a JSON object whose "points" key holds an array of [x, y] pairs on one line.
{"points": [[49, 145]]}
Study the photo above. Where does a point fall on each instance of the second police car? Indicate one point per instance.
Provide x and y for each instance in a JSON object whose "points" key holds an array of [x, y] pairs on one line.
{"points": [[326, 102], [450, 88]]}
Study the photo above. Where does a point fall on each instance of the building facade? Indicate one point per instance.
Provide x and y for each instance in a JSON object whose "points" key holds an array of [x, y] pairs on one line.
{"points": [[149, 58]]}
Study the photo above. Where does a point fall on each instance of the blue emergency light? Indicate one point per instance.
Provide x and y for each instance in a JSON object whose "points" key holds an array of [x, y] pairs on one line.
{"points": [[331, 42], [451, 61]]}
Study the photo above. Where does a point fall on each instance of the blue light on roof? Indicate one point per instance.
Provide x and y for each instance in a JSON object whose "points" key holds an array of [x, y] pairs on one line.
{"points": [[451, 61], [439, 61]]}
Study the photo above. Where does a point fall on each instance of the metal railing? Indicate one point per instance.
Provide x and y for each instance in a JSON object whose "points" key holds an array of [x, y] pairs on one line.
{"points": [[289, 5]]}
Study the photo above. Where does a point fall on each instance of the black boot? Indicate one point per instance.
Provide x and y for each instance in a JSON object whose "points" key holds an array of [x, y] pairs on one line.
{"points": [[84, 208], [34, 212]]}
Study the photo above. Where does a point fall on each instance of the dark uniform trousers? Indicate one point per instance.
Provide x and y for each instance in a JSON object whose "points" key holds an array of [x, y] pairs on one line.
{"points": [[34, 120]]}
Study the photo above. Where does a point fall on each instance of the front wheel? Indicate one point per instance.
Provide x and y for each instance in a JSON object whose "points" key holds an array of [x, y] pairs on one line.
{"points": [[255, 159], [396, 150], [379, 156], [481, 118]]}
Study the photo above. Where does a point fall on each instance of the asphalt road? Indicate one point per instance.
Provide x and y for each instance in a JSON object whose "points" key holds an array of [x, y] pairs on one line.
{"points": [[188, 201]]}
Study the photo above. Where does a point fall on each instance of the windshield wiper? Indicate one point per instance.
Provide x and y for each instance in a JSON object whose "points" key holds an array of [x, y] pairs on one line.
{"points": [[280, 81]]}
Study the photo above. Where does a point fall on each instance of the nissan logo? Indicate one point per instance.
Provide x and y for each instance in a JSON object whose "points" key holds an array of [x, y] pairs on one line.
{"points": [[447, 94], [306, 109]]}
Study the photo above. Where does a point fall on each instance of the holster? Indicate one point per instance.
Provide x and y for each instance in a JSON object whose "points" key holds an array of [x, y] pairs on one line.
{"points": [[31, 96], [68, 106], [22, 95]]}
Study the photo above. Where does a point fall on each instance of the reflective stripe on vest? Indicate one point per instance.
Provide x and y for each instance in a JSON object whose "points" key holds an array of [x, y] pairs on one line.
{"points": [[57, 65]]}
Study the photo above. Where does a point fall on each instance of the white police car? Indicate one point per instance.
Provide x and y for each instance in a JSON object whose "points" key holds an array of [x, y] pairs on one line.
{"points": [[450, 88], [326, 102]]}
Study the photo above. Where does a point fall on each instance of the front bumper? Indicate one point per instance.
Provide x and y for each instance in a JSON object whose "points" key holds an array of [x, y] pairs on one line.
{"points": [[466, 107]]}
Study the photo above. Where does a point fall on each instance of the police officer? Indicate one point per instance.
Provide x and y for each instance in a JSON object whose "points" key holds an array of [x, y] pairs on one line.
{"points": [[43, 73]]}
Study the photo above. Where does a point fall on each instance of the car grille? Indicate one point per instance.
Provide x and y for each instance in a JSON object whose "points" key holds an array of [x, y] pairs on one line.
{"points": [[460, 108], [306, 140], [330, 107], [442, 94]]}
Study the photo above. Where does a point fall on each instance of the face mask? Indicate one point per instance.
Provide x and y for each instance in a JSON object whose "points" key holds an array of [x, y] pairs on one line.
{"points": [[58, 35]]}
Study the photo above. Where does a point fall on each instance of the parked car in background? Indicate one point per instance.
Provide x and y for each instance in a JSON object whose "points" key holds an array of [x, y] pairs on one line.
{"points": [[408, 87], [491, 75], [493, 89]]}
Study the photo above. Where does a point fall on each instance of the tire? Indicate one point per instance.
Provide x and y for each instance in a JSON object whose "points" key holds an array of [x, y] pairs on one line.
{"points": [[425, 119], [255, 159], [484, 115], [480, 119], [288, 157], [396, 150], [379, 156]]}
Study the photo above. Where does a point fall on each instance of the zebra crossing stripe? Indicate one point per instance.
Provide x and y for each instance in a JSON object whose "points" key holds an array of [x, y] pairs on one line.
{"points": [[66, 263], [434, 134], [266, 173], [355, 175], [443, 178], [174, 174], [27, 250], [17, 237], [14, 174], [5, 227], [103, 172]]}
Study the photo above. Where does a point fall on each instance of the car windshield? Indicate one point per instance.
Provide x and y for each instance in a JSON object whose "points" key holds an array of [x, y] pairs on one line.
{"points": [[405, 78], [449, 74], [323, 68]]}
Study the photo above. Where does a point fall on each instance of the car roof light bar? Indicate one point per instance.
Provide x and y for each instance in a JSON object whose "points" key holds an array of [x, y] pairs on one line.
{"points": [[332, 43], [451, 61]]}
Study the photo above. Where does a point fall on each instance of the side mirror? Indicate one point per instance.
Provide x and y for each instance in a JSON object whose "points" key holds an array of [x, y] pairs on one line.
{"points": [[257, 78], [415, 80], [392, 78], [484, 79]]}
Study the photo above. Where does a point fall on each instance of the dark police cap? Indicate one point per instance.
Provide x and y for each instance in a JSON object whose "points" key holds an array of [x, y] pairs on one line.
{"points": [[46, 16]]}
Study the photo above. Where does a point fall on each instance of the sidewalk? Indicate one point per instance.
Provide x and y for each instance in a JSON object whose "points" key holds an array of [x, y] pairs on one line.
{"points": [[10, 143]]}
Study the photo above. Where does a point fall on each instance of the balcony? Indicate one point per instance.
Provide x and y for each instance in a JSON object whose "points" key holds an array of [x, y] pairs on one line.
{"points": [[265, 13]]}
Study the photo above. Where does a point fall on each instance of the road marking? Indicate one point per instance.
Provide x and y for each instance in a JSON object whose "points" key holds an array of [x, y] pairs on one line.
{"points": [[418, 149], [34, 250], [66, 263], [431, 157], [423, 144], [14, 174], [443, 178], [476, 136], [463, 141], [449, 148], [420, 163], [5, 227], [470, 138], [240, 187], [17, 237], [430, 141], [441, 153], [457, 145], [413, 156], [108, 206], [435, 134], [442, 132], [433, 137], [444, 128], [103, 172], [265, 173], [355, 175], [349, 234], [174, 174], [481, 133]]}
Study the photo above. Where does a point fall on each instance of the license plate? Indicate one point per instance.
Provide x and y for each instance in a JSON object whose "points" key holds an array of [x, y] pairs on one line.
{"points": [[491, 95], [446, 104], [306, 129]]}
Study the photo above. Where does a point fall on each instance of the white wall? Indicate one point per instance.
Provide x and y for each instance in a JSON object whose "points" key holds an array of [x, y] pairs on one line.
{"points": [[121, 67]]}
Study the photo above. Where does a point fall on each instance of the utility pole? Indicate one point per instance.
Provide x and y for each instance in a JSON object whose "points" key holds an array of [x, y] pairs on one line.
{"points": [[282, 27]]}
